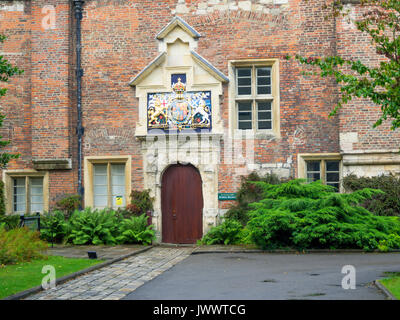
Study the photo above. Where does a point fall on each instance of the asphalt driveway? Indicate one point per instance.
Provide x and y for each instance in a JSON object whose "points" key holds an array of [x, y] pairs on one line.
{"points": [[259, 276]]}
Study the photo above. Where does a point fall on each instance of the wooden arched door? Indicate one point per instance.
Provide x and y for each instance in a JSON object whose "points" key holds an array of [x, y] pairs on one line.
{"points": [[181, 204]]}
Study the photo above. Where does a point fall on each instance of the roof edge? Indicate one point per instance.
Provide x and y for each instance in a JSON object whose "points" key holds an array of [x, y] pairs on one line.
{"points": [[177, 21], [156, 62]]}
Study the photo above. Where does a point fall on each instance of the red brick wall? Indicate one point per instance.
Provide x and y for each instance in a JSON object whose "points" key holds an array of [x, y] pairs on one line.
{"points": [[118, 38], [359, 115]]}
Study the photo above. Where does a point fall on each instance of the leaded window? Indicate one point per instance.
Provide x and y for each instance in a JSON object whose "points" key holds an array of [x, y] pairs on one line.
{"points": [[254, 99]]}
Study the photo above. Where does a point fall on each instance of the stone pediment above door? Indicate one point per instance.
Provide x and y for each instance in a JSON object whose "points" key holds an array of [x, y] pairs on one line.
{"points": [[179, 91]]}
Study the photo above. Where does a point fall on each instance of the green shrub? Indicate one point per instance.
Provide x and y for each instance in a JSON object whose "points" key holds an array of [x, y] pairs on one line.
{"points": [[68, 204], [228, 232], [300, 215], [141, 202], [10, 221], [54, 228], [248, 193], [382, 204], [136, 230], [19, 245], [93, 227]]}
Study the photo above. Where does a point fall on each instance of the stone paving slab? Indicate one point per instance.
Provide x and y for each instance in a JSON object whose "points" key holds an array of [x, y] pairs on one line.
{"points": [[103, 252], [117, 280]]}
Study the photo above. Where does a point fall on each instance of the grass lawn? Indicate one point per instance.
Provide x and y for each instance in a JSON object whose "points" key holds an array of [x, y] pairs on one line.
{"points": [[18, 277], [393, 284]]}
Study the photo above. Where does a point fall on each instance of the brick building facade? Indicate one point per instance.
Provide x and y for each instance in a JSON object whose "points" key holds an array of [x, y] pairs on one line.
{"points": [[230, 57]]}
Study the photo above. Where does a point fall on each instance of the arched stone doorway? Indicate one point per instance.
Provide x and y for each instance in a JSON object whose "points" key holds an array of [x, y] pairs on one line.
{"points": [[181, 204]]}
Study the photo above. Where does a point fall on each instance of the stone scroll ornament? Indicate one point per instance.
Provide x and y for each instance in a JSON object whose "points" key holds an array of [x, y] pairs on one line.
{"points": [[179, 109]]}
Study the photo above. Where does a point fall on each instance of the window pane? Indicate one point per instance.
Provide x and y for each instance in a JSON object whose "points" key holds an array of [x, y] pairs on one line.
{"points": [[332, 177], [244, 106], [245, 125], [244, 72], [313, 165], [263, 72], [264, 116], [313, 176], [100, 180], [100, 169], [332, 166], [100, 186], [36, 189], [264, 80], [100, 190], [100, 201], [263, 90], [244, 82], [264, 106], [244, 90], [244, 116], [19, 195], [262, 125], [118, 185]]}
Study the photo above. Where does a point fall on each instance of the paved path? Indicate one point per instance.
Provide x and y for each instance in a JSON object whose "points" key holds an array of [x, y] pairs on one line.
{"points": [[261, 276], [117, 280]]}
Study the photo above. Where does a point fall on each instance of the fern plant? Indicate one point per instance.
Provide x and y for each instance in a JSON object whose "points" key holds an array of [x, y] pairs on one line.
{"points": [[54, 228], [93, 227], [136, 230]]}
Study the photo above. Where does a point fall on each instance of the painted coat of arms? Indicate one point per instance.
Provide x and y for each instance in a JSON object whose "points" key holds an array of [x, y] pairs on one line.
{"points": [[179, 109]]}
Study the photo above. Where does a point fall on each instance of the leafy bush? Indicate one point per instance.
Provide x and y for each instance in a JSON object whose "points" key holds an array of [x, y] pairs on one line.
{"points": [[300, 215], [136, 230], [228, 232], [54, 228], [19, 245], [68, 204], [10, 221], [382, 204], [141, 202], [248, 193], [93, 227]]}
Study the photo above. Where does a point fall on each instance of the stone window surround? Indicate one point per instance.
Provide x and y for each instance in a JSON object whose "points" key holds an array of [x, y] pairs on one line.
{"points": [[302, 167], [8, 176], [258, 134], [88, 174]]}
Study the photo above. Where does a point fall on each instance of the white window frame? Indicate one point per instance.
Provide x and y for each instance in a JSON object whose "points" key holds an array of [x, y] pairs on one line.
{"points": [[323, 158], [89, 175], [8, 179], [234, 98]]}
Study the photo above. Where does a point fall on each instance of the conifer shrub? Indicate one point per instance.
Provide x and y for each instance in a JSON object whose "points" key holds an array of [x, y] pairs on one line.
{"points": [[301, 215], [248, 193], [382, 204]]}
